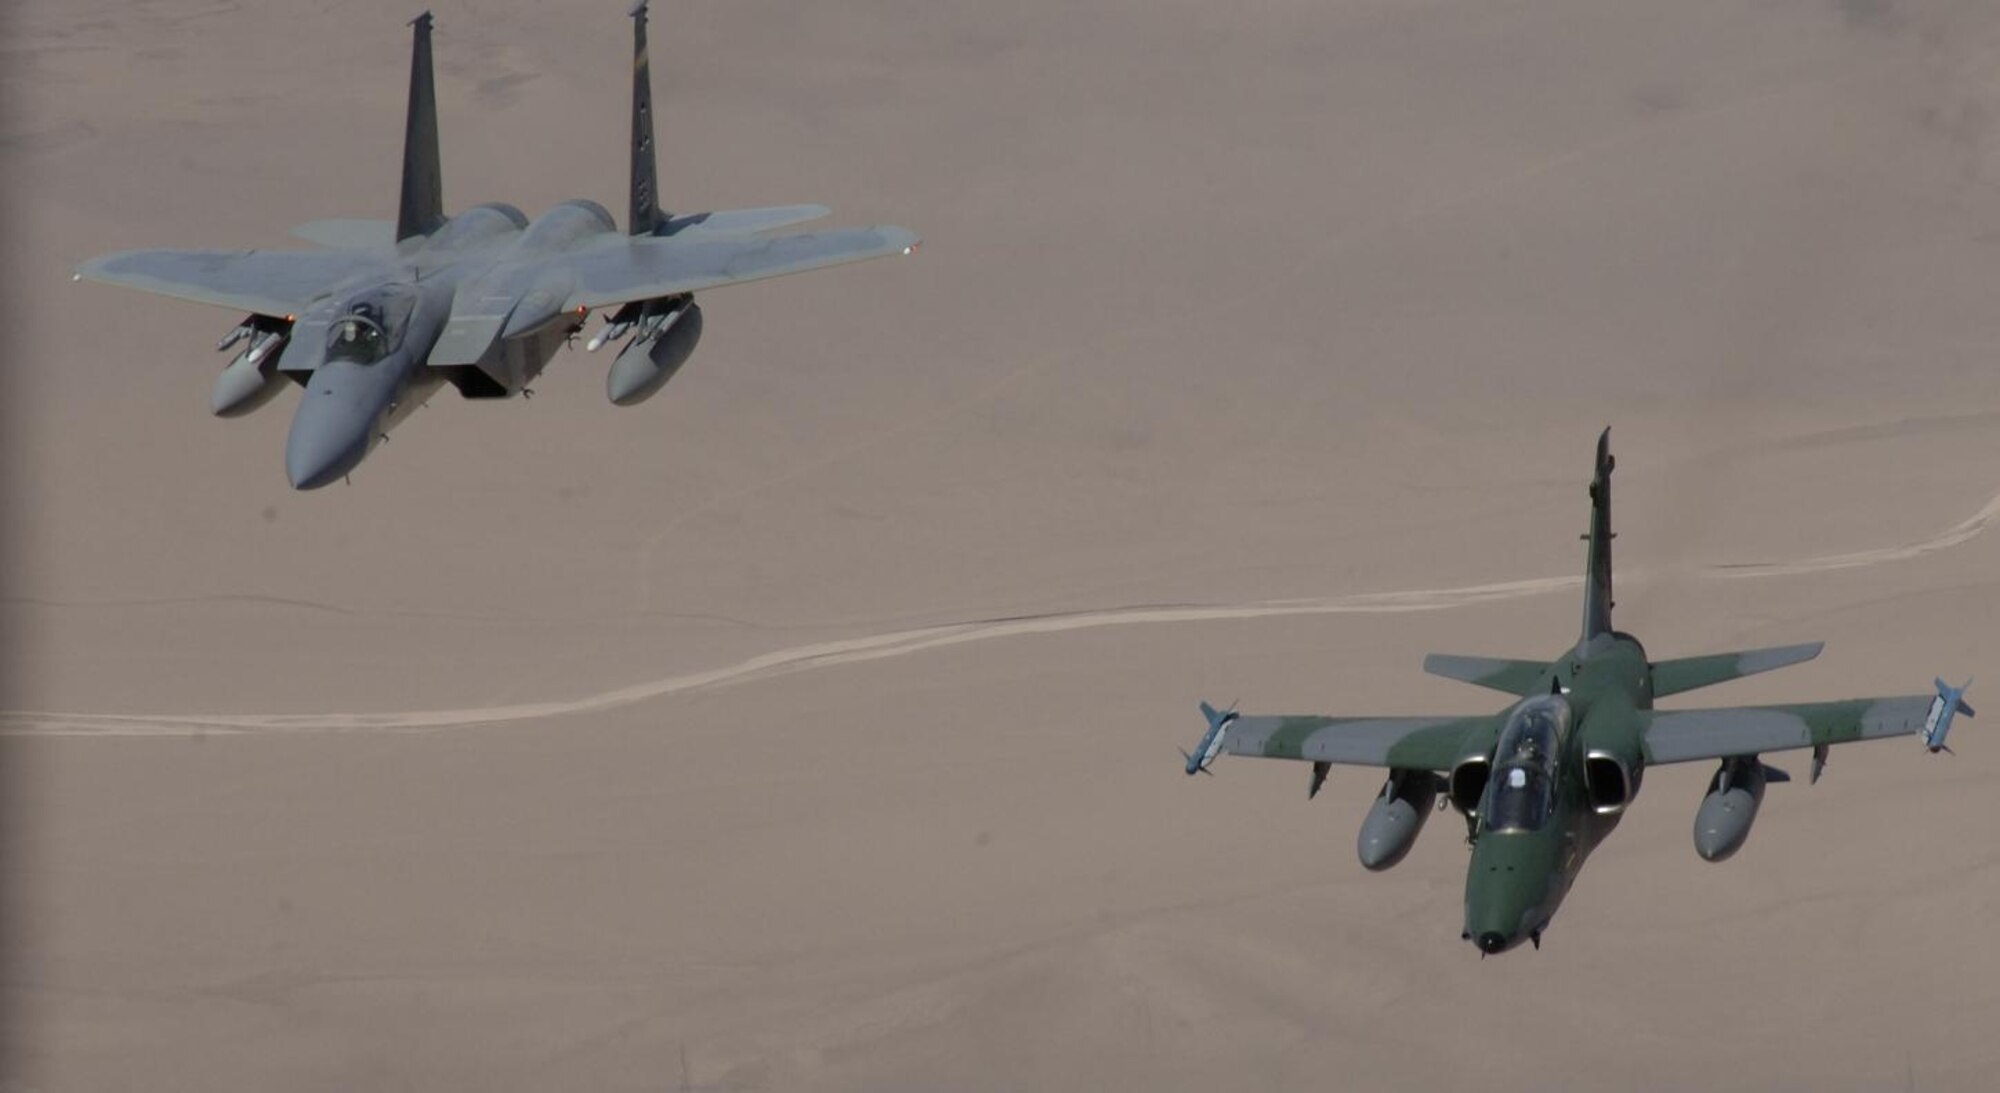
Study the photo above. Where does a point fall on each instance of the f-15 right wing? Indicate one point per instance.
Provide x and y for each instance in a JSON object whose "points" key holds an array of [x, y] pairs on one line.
{"points": [[651, 267], [264, 282], [1402, 743]]}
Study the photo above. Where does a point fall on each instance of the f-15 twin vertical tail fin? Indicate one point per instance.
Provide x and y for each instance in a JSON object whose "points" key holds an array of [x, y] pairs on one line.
{"points": [[422, 208], [646, 215], [1597, 577]]}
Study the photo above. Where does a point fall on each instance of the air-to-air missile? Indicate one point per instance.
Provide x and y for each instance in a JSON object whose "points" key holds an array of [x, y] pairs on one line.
{"points": [[1211, 741], [237, 334], [611, 333]]}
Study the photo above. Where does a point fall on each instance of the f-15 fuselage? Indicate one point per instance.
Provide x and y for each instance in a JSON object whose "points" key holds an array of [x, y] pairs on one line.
{"points": [[359, 384]]}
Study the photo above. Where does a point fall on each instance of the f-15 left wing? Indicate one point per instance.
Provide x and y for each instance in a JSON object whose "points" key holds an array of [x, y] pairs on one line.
{"points": [[263, 282], [1682, 736], [651, 267], [1402, 743]]}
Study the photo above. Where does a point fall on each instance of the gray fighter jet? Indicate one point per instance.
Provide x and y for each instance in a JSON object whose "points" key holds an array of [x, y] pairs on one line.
{"points": [[374, 325]]}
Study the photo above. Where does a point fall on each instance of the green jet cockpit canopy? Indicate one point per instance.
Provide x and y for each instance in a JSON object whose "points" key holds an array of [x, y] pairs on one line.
{"points": [[1522, 789]]}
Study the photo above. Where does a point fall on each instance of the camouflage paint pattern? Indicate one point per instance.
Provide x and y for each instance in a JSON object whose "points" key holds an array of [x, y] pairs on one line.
{"points": [[1517, 877]]}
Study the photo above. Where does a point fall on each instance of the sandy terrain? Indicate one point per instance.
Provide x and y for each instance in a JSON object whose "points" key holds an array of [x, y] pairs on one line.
{"points": [[812, 726]]}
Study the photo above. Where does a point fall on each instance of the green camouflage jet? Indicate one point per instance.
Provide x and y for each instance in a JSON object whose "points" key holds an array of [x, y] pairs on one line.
{"points": [[1541, 783]]}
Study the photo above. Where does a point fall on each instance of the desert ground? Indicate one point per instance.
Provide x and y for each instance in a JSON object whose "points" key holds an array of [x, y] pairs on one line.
{"points": [[813, 725]]}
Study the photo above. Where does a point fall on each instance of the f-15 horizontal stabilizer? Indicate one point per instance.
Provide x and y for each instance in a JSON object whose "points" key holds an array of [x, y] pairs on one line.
{"points": [[744, 221], [1514, 677], [1672, 677]]}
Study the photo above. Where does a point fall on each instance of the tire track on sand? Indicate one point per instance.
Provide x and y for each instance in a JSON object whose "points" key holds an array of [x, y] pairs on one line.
{"points": [[801, 658], [902, 643]]}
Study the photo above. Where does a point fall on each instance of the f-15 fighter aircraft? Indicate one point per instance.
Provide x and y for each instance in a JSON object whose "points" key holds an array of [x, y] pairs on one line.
{"points": [[375, 325], [1541, 783]]}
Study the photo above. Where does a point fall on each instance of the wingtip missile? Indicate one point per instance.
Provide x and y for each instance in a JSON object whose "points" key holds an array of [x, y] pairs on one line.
{"points": [[1949, 703], [1211, 741]]}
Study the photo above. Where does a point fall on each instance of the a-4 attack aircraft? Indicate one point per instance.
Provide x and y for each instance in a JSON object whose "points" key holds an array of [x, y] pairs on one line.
{"points": [[1541, 783], [374, 325]]}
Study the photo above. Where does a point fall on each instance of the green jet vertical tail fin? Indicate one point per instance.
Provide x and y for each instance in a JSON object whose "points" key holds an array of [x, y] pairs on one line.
{"points": [[422, 209], [1597, 575], [646, 216]]}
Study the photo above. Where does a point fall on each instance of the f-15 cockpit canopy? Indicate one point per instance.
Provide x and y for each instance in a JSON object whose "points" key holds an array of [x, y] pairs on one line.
{"points": [[371, 326], [1521, 792]]}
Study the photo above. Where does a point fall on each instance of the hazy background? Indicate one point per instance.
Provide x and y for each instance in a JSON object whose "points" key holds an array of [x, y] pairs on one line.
{"points": [[1217, 305]]}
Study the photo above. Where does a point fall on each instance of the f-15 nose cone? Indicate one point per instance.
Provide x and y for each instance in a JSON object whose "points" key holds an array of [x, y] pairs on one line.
{"points": [[319, 451], [1491, 942]]}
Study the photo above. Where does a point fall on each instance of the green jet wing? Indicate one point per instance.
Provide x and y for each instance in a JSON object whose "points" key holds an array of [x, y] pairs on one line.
{"points": [[1683, 736], [1402, 743]]}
